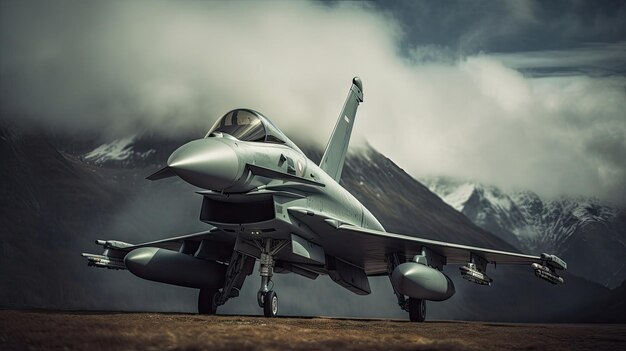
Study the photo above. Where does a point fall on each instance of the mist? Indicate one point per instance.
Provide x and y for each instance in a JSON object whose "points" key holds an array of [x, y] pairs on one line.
{"points": [[119, 68]]}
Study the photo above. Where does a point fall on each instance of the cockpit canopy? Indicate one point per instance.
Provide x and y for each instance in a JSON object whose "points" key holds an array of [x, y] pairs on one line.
{"points": [[250, 125]]}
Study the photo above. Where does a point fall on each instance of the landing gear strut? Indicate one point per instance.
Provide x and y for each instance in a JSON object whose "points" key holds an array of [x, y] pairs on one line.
{"points": [[267, 298], [239, 267]]}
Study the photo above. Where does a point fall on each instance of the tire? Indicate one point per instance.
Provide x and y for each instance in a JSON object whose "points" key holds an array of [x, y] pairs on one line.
{"points": [[417, 310], [270, 304], [260, 298], [205, 301]]}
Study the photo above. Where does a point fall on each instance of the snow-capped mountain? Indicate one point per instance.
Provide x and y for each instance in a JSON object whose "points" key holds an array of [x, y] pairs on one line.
{"points": [[486, 206], [551, 222], [117, 151], [590, 235], [139, 150]]}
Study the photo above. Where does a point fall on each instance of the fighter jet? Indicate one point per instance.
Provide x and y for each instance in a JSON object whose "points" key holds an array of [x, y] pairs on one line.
{"points": [[266, 201]]}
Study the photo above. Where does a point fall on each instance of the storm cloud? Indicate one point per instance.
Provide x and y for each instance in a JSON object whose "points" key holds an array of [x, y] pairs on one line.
{"points": [[451, 106]]}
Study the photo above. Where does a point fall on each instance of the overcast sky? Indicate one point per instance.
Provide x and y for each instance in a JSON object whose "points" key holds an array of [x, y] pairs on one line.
{"points": [[520, 94]]}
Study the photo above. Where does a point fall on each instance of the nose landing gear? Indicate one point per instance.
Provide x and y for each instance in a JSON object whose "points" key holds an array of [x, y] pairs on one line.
{"points": [[267, 298]]}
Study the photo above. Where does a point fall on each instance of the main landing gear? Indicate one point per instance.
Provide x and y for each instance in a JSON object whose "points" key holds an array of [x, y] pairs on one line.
{"points": [[415, 307], [240, 266], [209, 299], [267, 298], [205, 301], [417, 310]]}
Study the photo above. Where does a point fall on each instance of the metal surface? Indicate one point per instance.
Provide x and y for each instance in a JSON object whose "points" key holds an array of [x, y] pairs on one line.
{"points": [[335, 153], [546, 273], [192, 160], [171, 267], [239, 267], [471, 274], [421, 282]]}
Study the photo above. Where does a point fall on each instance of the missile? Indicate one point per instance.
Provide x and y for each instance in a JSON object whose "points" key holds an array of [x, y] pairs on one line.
{"points": [[546, 274], [470, 273], [104, 261]]}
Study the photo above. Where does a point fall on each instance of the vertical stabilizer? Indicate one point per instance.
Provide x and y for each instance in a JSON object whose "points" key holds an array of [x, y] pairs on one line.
{"points": [[335, 153]]}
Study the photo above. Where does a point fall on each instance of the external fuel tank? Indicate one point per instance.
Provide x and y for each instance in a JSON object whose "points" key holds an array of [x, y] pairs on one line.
{"points": [[419, 281], [173, 267]]}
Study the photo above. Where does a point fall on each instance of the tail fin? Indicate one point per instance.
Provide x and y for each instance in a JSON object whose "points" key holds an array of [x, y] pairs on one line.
{"points": [[335, 153]]}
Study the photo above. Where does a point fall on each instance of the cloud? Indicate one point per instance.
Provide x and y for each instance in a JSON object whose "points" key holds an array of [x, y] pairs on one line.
{"points": [[590, 59], [119, 67], [508, 26], [480, 119]]}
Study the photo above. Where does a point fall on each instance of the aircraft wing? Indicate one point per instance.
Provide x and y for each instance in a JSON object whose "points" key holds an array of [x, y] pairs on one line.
{"points": [[374, 245], [114, 251], [368, 248]]}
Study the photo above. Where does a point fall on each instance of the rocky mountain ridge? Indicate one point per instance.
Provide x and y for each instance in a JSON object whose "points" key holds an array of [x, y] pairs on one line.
{"points": [[589, 234]]}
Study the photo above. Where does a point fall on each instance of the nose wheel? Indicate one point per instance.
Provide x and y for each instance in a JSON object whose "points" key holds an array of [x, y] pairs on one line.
{"points": [[270, 304]]}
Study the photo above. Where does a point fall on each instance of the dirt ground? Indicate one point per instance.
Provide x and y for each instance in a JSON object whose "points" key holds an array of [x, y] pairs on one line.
{"points": [[32, 330]]}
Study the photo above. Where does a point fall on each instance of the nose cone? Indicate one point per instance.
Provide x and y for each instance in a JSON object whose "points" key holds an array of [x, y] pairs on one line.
{"points": [[137, 260], [206, 163]]}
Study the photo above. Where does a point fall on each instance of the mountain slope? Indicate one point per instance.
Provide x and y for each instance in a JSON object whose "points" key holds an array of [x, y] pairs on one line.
{"points": [[47, 205], [406, 206], [612, 309]]}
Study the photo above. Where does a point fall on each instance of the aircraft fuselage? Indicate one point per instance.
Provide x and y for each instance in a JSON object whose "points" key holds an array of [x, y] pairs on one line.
{"points": [[253, 206]]}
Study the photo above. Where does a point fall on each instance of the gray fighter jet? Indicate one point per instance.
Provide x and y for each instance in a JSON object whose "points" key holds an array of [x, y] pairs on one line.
{"points": [[265, 200]]}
